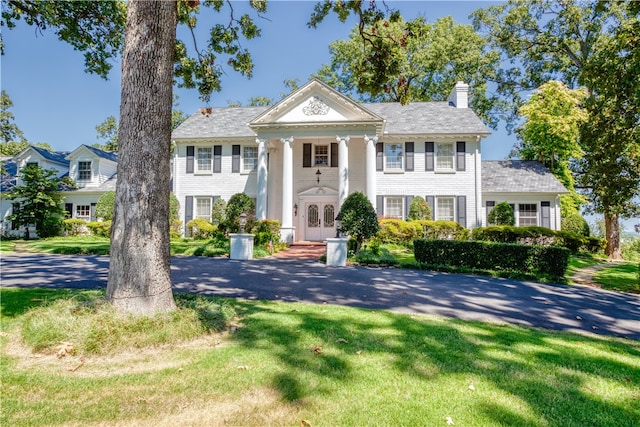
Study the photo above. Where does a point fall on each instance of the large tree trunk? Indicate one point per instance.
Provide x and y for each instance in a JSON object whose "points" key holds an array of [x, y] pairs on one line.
{"points": [[139, 271], [612, 231]]}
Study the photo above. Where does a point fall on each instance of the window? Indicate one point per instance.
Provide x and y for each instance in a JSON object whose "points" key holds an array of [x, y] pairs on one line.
{"points": [[321, 155], [84, 171], [31, 164], [393, 207], [393, 154], [204, 156], [203, 208], [527, 214], [445, 209], [249, 159], [83, 212], [444, 157]]}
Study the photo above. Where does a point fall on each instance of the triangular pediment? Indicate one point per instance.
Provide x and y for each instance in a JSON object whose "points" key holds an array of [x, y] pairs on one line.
{"points": [[315, 103]]}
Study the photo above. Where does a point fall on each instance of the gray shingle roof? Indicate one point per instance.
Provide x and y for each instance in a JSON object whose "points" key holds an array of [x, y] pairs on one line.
{"points": [[8, 179], [518, 176], [427, 118], [54, 156], [414, 118], [109, 155]]}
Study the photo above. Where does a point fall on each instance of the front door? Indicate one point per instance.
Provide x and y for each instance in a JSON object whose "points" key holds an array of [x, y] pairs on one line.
{"points": [[320, 221]]}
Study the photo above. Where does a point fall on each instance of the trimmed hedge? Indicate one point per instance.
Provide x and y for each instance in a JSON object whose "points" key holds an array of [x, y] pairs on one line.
{"points": [[400, 232], [266, 230], [201, 229], [538, 236], [540, 260], [100, 228]]}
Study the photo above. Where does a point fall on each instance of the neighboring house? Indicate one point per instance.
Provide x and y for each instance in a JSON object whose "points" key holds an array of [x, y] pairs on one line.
{"points": [[92, 170], [300, 158]]}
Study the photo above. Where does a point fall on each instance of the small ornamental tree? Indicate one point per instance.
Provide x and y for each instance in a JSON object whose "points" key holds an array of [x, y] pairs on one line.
{"points": [[419, 209], [218, 211], [104, 206], [501, 214], [239, 203], [37, 201], [359, 219]]}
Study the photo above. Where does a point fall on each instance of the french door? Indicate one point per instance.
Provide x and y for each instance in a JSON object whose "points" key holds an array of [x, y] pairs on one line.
{"points": [[320, 220]]}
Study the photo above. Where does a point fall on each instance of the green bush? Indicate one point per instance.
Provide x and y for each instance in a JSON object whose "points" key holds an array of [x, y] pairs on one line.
{"points": [[575, 223], [359, 218], [397, 231], [239, 203], [75, 227], [441, 230], [218, 211], [267, 230], [175, 229], [105, 205], [419, 209], [101, 229], [532, 259], [201, 229], [631, 250], [501, 214]]}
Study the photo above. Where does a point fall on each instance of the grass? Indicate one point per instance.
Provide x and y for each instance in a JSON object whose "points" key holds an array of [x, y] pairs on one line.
{"points": [[624, 278], [330, 365]]}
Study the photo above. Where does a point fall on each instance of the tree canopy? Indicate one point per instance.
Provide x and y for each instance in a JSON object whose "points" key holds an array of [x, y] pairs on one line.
{"points": [[428, 59]]}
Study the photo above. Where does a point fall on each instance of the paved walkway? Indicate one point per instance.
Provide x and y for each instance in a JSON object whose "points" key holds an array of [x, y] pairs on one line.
{"points": [[568, 308], [303, 251]]}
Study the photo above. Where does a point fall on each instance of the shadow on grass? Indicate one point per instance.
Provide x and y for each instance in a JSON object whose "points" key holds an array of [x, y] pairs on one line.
{"points": [[16, 301], [558, 378]]}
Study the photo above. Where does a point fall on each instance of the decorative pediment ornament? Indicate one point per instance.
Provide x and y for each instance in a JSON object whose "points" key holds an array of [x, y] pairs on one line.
{"points": [[316, 107]]}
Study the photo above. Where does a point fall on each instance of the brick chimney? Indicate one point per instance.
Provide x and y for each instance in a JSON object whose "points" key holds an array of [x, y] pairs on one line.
{"points": [[459, 96]]}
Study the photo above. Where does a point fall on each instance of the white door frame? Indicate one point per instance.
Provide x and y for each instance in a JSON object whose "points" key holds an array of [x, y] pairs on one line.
{"points": [[320, 196]]}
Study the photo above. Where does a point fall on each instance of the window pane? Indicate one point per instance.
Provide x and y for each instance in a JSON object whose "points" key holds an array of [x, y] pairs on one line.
{"points": [[203, 208], [329, 215], [393, 156], [83, 212], [204, 159], [322, 155], [528, 214], [313, 219], [250, 159], [444, 156], [84, 171], [445, 209], [393, 208]]}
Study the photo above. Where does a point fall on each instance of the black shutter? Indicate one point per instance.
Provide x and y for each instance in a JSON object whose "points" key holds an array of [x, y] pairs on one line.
{"points": [[407, 205], [217, 158], [334, 154], [461, 151], [462, 210], [306, 155], [235, 158], [489, 206], [380, 205], [408, 154], [92, 212], [431, 201], [546, 214], [379, 156], [68, 207], [190, 150], [188, 213], [428, 156]]}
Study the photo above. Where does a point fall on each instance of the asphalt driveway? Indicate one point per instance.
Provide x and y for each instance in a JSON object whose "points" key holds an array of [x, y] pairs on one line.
{"points": [[568, 308]]}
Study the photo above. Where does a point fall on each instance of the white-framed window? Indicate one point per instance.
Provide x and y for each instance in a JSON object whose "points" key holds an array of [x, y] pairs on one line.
{"points": [[83, 212], [445, 157], [527, 214], [393, 156], [249, 159], [204, 156], [445, 208], [321, 155], [394, 207], [84, 170], [203, 208], [31, 164]]}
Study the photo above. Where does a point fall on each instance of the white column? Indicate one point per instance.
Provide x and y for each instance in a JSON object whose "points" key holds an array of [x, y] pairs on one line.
{"points": [[261, 196], [287, 190], [370, 169], [343, 169], [478, 176]]}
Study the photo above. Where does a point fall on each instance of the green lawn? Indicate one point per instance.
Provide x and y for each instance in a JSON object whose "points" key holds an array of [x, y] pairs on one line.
{"points": [[328, 365], [619, 278]]}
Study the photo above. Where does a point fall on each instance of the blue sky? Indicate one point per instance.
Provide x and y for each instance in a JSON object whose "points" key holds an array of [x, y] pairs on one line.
{"points": [[56, 102]]}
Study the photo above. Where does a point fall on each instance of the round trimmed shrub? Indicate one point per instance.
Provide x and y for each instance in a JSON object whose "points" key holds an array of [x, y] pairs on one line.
{"points": [[575, 223], [419, 209], [502, 214]]}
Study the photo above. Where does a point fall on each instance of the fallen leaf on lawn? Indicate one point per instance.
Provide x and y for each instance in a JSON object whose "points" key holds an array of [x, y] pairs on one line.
{"points": [[243, 367], [63, 349], [449, 421], [305, 423], [358, 352], [82, 360], [317, 349], [180, 369], [342, 340], [472, 387]]}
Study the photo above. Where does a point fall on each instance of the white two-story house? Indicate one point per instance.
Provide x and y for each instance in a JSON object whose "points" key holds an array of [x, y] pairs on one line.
{"points": [[300, 158]]}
